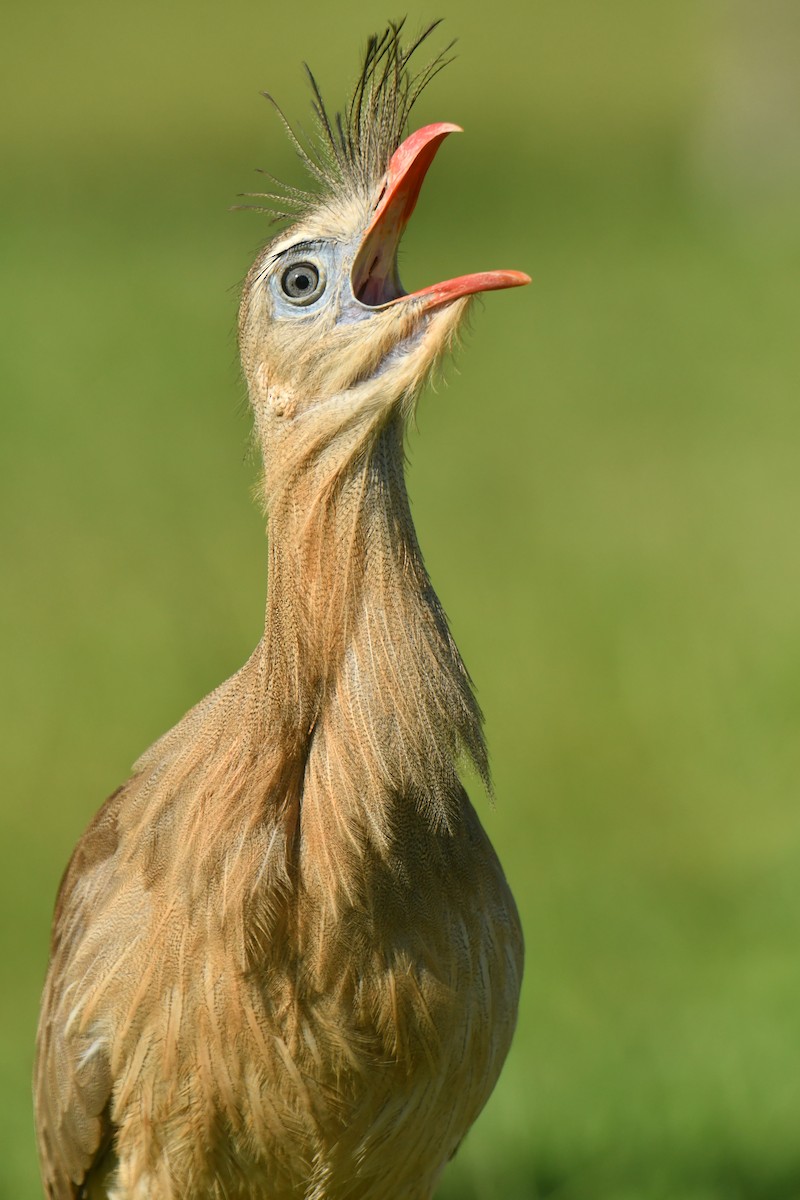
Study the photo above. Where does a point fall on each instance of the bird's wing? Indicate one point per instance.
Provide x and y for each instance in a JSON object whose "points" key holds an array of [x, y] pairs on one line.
{"points": [[72, 1082]]}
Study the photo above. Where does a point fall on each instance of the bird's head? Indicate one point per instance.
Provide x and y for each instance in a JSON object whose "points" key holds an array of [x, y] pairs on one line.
{"points": [[331, 343]]}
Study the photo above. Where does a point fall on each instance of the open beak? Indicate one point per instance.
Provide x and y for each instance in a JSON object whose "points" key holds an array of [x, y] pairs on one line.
{"points": [[375, 280]]}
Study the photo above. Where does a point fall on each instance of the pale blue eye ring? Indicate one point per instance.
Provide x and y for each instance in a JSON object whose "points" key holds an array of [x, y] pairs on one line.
{"points": [[302, 283]]}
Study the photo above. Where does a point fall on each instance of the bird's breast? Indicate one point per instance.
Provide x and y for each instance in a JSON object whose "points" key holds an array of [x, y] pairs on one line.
{"points": [[392, 1011]]}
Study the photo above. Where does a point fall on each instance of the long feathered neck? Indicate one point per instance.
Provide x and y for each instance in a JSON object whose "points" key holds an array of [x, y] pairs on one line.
{"points": [[339, 739], [359, 666]]}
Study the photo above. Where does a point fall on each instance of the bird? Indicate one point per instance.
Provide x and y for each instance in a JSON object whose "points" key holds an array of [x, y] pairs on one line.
{"points": [[285, 961]]}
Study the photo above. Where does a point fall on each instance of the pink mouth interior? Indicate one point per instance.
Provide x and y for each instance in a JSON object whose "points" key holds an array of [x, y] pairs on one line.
{"points": [[375, 278]]}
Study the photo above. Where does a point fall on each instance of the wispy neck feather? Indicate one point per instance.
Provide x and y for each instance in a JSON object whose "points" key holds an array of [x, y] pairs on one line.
{"points": [[358, 655]]}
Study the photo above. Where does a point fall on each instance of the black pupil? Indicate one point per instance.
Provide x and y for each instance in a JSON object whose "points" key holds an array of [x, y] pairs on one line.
{"points": [[301, 281]]}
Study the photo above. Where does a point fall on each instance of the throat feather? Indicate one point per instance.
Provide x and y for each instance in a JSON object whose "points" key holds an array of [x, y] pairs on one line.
{"points": [[358, 644]]}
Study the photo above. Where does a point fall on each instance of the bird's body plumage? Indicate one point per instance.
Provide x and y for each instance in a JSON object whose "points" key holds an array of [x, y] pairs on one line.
{"points": [[285, 960]]}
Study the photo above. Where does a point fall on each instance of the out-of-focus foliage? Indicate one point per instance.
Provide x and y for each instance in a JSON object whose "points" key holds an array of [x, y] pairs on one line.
{"points": [[608, 497]]}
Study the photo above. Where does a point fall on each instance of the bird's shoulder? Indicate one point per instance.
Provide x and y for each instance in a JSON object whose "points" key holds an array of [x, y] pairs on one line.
{"points": [[71, 1105], [97, 845]]}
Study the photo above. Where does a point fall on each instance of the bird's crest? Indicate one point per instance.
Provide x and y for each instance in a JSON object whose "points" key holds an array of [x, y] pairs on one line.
{"points": [[350, 150]]}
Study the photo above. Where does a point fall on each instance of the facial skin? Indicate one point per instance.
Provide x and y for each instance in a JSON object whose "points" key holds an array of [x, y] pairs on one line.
{"points": [[325, 370]]}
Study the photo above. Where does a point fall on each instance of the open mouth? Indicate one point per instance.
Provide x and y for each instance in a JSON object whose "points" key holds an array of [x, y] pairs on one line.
{"points": [[374, 276]]}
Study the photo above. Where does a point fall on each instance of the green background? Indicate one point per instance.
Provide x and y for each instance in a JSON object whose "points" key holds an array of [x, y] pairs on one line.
{"points": [[607, 493]]}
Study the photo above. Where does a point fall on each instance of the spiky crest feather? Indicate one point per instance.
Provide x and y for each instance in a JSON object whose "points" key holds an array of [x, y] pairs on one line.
{"points": [[350, 150]]}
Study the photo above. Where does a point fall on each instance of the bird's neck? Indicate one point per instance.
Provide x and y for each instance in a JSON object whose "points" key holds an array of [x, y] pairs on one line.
{"points": [[358, 665], [331, 757]]}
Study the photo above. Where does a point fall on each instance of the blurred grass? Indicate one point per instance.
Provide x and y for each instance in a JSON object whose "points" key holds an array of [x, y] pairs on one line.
{"points": [[607, 496]]}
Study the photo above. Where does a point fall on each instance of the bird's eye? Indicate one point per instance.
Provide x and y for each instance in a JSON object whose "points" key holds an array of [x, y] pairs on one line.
{"points": [[302, 283]]}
